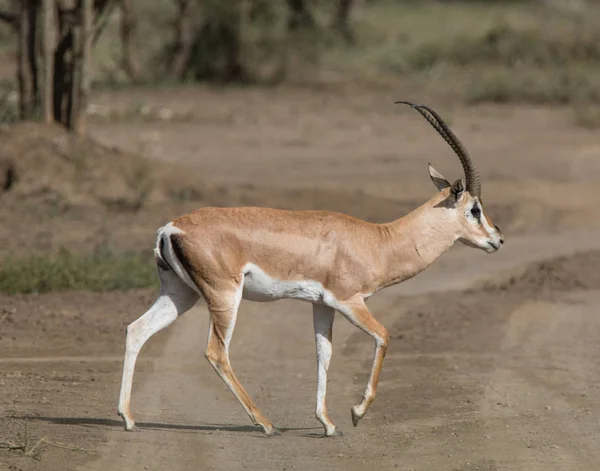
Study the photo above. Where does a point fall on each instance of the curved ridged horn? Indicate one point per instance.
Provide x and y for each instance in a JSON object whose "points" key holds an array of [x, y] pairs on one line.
{"points": [[471, 174]]}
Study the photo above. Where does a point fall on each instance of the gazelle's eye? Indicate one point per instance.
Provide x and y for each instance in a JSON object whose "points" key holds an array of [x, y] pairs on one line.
{"points": [[476, 212]]}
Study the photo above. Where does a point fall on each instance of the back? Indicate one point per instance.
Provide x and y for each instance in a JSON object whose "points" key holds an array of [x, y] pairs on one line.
{"points": [[287, 245]]}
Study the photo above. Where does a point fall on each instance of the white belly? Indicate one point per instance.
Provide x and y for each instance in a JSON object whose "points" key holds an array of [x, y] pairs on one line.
{"points": [[258, 286]]}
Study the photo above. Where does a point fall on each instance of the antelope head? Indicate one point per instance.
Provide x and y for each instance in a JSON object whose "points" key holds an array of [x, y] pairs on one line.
{"points": [[463, 206]]}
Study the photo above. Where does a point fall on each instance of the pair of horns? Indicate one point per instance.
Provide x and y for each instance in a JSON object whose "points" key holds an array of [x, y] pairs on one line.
{"points": [[471, 174]]}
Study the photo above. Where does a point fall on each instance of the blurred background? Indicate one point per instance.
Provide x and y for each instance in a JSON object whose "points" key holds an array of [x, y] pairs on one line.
{"points": [[536, 51], [116, 116]]}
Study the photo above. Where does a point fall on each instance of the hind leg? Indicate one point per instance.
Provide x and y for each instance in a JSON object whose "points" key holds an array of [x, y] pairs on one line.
{"points": [[175, 298], [223, 308]]}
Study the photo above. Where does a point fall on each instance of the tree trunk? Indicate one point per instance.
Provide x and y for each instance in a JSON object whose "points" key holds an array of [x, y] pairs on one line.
{"points": [[76, 32], [232, 36], [300, 16], [11, 16], [33, 52], [184, 38], [76, 51], [81, 83], [128, 34], [24, 72], [341, 22], [48, 58], [27, 67], [104, 9], [63, 67]]}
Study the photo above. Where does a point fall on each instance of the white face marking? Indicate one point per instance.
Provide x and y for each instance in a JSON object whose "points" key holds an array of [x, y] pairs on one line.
{"points": [[474, 214], [489, 229], [490, 240], [480, 219]]}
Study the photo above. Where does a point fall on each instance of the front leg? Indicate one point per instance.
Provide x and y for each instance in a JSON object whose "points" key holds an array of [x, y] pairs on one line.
{"points": [[358, 314], [323, 324]]}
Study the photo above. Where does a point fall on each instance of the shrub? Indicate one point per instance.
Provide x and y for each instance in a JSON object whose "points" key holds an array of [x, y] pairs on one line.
{"points": [[102, 270]]}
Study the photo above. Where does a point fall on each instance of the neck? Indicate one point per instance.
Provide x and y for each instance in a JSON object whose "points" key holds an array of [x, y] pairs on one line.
{"points": [[416, 240]]}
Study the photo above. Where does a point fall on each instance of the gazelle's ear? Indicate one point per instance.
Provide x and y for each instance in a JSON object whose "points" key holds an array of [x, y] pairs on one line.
{"points": [[438, 179], [457, 191]]}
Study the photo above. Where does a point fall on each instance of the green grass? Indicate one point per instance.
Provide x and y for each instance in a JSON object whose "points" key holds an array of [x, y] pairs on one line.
{"points": [[102, 270]]}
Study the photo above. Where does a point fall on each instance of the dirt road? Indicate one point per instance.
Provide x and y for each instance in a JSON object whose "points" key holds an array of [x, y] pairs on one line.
{"points": [[493, 362], [541, 372]]}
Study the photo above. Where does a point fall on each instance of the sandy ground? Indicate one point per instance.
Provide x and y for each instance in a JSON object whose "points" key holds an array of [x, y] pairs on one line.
{"points": [[493, 362]]}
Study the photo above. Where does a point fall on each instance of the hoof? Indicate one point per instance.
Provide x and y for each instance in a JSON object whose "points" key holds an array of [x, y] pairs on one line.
{"points": [[355, 416], [274, 432], [128, 424], [336, 433]]}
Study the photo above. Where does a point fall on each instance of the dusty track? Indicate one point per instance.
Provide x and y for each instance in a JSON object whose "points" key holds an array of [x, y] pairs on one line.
{"points": [[184, 391], [483, 379]]}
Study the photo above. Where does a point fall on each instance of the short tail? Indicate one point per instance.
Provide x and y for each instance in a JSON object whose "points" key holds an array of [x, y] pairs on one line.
{"points": [[167, 257]]}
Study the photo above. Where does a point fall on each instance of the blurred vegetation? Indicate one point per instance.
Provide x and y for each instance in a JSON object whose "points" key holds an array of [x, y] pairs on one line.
{"points": [[527, 51], [532, 52], [102, 270]]}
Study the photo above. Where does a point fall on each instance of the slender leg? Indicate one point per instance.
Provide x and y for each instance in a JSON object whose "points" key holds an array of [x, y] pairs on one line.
{"points": [[175, 298], [323, 323], [223, 310], [358, 314]]}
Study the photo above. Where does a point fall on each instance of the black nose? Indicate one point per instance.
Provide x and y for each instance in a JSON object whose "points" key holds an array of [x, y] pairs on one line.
{"points": [[501, 238]]}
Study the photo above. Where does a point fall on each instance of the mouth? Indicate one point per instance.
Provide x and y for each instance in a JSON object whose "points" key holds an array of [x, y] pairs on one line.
{"points": [[493, 246]]}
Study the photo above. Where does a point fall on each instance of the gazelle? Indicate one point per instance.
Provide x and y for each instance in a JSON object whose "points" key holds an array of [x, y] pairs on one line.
{"points": [[331, 260]]}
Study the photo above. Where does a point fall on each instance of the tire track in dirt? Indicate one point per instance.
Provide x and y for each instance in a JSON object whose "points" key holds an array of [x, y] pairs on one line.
{"points": [[165, 400], [548, 368], [183, 408], [62, 359]]}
